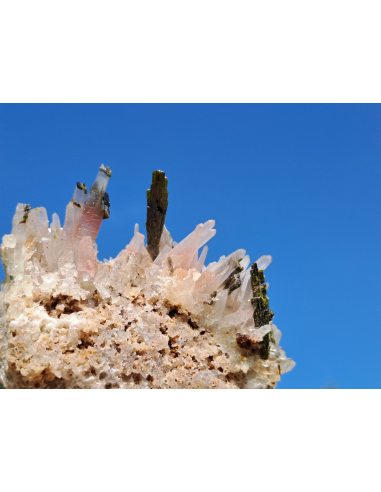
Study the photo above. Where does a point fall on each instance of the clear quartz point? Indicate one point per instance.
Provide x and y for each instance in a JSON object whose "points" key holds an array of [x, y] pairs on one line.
{"points": [[264, 262]]}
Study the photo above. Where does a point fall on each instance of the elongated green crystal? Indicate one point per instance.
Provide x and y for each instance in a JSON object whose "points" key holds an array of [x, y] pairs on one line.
{"points": [[260, 302], [157, 204]]}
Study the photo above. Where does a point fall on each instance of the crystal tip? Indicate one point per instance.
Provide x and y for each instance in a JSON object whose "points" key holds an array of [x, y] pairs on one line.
{"points": [[82, 186], [106, 170]]}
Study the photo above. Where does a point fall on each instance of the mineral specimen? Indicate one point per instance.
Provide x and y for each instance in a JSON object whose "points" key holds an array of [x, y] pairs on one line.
{"points": [[153, 317]]}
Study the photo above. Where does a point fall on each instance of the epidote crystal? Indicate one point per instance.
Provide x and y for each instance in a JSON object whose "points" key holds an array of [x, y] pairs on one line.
{"points": [[153, 317]]}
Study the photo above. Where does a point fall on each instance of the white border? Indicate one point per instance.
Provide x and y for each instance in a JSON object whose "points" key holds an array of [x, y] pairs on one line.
{"points": [[189, 51], [190, 440]]}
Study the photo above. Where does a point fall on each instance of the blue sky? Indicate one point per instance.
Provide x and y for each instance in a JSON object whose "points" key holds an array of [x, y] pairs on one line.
{"points": [[300, 182]]}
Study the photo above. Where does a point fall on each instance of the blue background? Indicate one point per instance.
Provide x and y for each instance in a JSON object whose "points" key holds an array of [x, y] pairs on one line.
{"points": [[299, 182]]}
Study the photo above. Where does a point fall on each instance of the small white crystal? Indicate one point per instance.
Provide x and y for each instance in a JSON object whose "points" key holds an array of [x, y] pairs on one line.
{"points": [[201, 260], [262, 331], [9, 241], [264, 262], [220, 305], [277, 334], [287, 365]]}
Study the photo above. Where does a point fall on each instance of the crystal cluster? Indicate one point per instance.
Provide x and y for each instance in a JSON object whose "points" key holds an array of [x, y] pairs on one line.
{"points": [[156, 316]]}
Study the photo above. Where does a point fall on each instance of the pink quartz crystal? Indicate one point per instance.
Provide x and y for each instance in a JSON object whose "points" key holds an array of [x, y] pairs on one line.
{"points": [[93, 210]]}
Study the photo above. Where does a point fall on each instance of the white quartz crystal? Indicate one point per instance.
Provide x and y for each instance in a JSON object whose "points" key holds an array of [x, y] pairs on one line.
{"points": [[68, 320]]}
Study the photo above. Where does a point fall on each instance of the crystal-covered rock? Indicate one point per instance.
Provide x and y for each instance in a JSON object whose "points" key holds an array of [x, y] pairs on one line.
{"points": [[145, 319]]}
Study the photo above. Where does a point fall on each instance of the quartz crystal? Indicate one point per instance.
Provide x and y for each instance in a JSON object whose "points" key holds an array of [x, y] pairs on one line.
{"points": [[156, 316]]}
